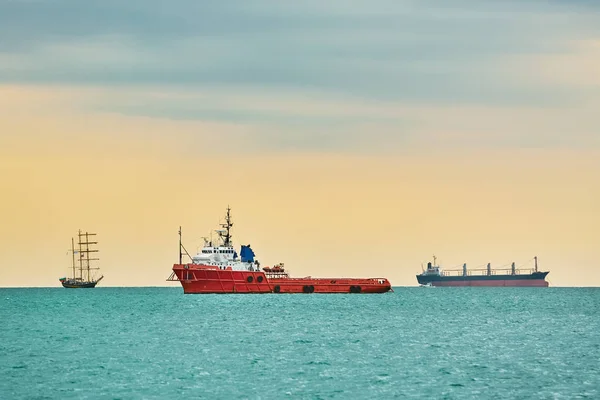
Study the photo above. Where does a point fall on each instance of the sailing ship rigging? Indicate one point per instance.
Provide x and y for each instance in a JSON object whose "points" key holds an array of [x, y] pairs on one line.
{"points": [[83, 269]]}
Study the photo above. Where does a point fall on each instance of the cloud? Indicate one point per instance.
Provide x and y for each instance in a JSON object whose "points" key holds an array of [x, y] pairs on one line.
{"points": [[313, 76], [242, 119], [408, 51], [578, 67]]}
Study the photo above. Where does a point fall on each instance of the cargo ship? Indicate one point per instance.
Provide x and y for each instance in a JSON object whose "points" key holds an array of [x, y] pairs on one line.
{"points": [[83, 274], [218, 268], [434, 275]]}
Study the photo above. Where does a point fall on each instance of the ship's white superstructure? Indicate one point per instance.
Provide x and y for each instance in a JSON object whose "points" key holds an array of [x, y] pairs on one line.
{"points": [[223, 255]]}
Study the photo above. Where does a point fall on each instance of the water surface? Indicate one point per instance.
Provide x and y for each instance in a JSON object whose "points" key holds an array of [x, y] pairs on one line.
{"points": [[156, 343]]}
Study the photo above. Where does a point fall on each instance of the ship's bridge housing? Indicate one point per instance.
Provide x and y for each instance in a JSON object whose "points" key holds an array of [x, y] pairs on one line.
{"points": [[432, 269], [225, 257]]}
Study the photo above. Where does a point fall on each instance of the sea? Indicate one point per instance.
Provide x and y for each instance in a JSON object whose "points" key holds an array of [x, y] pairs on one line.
{"points": [[417, 342]]}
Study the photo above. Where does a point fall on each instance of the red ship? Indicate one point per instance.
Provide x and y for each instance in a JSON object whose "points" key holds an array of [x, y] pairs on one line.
{"points": [[217, 268]]}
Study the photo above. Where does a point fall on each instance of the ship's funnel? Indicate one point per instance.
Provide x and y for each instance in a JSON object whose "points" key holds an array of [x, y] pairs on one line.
{"points": [[246, 254]]}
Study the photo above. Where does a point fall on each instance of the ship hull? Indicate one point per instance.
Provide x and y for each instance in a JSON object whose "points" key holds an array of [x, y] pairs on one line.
{"points": [[86, 285], [203, 280], [536, 279]]}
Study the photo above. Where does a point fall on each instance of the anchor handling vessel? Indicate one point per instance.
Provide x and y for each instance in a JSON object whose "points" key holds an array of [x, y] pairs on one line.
{"points": [[436, 276], [217, 268]]}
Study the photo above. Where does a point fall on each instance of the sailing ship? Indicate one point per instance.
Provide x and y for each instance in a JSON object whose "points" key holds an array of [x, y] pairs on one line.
{"points": [[83, 271], [217, 268]]}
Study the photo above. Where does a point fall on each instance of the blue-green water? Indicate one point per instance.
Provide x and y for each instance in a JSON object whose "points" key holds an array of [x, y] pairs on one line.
{"points": [[128, 343]]}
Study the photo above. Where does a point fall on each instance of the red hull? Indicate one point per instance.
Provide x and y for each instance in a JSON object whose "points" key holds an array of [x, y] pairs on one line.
{"points": [[495, 283], [208, 279]]}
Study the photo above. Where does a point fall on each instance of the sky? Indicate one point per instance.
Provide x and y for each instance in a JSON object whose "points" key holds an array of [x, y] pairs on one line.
{"points": [[349, 138]]}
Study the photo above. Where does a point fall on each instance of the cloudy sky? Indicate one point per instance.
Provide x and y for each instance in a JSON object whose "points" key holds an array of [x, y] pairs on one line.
{"points": [[353, 138]]}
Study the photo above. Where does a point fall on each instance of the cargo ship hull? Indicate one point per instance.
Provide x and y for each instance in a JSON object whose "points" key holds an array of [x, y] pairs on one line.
{"points": [[536, 279], [198, 279]]}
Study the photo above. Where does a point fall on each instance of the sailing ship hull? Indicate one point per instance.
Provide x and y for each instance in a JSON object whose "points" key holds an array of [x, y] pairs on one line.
{"points": [[85, 285], [197, 279], [536, 279]]}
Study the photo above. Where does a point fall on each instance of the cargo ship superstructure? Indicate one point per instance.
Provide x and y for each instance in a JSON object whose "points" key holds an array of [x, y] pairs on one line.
{"points": [[83, 271], [434, 275], [218, 268]]}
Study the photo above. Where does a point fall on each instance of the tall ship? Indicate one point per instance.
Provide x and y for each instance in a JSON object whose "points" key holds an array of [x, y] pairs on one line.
{"points": [[218, 268], [83, 269], [434, 275]]}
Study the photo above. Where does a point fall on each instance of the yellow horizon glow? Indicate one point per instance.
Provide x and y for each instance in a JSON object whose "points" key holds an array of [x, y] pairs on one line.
{"points": [[135, 180]]}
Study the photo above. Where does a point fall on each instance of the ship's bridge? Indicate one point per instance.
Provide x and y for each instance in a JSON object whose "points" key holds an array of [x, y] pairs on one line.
{"points": [[220, 253], [432, 270], [225, 257]]}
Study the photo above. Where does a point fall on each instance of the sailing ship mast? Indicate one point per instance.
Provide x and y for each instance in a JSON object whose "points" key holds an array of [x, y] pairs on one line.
{"points": [[73, 254], [84, 255]]}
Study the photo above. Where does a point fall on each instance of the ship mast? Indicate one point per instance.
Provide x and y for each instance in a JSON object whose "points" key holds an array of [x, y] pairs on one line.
{"points": [[80, 257], [182, 247], [87, 252], [226, 235], [73, 254], [180, 255]]}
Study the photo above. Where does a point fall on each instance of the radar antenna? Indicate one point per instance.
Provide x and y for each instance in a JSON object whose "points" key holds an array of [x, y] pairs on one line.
{"points": [[225, 235]]}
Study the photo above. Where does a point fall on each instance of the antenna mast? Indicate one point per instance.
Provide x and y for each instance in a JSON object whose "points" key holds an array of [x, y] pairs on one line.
{"points": [[226, 236]]}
